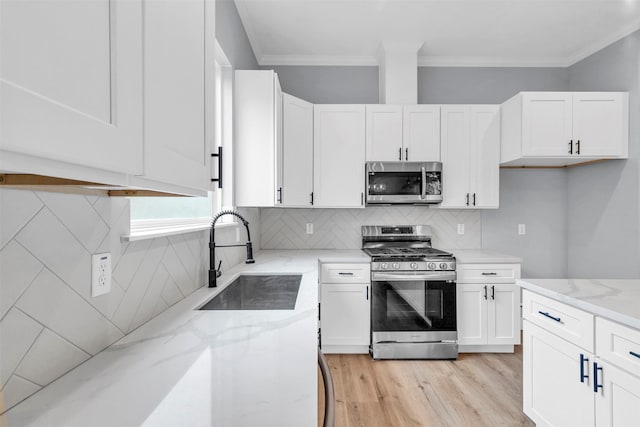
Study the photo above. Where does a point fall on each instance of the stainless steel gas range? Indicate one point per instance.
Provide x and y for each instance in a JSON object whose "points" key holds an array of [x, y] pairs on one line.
{"points": [[413, 294]]}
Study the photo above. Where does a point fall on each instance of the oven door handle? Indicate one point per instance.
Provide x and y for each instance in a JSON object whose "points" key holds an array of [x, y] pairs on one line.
{"points": [[423, 193], [404, 277]]}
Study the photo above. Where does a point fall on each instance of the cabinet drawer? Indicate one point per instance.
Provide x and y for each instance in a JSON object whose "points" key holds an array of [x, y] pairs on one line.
{"points": [[488, 273], [570, 323], [345, 273], [618, 344]]}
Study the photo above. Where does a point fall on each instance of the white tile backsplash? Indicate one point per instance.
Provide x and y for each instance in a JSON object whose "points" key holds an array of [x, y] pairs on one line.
{"points": [[341, 228], [18, 268], [51, 302], [50, 357], [46, 242], [18, 332]]}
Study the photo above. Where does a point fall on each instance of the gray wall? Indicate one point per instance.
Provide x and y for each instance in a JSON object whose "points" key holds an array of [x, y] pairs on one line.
{"points": [[232, 37], [330, 85], [604, 221], [490, 85]]}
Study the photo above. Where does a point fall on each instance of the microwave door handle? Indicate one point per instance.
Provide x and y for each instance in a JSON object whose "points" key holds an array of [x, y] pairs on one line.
{"points": [[423, 194]]}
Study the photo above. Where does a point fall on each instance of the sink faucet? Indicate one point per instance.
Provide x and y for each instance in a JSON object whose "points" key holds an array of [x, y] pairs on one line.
{"points": [[214, 272]]}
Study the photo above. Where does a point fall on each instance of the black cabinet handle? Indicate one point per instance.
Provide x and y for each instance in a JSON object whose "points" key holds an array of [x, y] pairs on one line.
{"points": [[596, 368], [406, 154], [342, 273], [578, 147], [571, 146], [493, 292], [544, 313], [400, 153], [633, 353], [361, 199], [493, 273], [219, 156], [467, 199], [280, 195], [311, 198], [485, 291], [367, 293], [583, 359], [474, 199]]}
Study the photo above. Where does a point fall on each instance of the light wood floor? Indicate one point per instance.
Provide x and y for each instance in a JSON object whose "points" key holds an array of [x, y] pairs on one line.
{"points": [[475, 390]]}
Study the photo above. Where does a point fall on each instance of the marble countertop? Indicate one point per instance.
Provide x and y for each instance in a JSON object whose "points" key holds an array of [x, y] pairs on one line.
{"points": [[201, 368], [614, 299], [481, 256]]}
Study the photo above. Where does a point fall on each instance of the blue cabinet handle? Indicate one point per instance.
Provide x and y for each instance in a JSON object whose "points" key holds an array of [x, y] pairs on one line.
{"points": [[544, 313], [582, 374], [633, 353], [596, 368]]}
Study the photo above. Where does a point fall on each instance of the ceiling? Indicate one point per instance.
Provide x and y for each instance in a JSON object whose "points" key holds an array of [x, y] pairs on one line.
{"points": [[529, 33]]}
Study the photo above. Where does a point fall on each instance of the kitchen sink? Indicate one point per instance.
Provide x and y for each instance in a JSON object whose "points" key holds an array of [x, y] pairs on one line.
{"points": [[258, 292]]}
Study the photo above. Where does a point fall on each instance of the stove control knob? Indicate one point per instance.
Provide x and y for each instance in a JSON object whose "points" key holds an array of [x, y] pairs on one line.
{"points": [[414, 265], [432, 266], [383, 266], [396, 265], [443, 266]]}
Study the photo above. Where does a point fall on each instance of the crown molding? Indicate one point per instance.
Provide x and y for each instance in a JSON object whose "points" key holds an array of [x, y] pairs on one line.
{"points": [[319, 60], [483, 61]]}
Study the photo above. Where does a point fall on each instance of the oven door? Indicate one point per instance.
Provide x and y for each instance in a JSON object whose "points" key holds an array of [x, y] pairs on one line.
{"points": [[407, 304], [404, 182]]}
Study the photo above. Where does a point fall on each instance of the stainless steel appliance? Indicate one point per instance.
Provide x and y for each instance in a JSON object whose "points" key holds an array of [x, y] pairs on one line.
{"points": [[403, 182], [413, 294]]}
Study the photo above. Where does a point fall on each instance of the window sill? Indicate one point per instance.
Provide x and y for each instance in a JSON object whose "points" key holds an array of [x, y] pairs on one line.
{"points": [[151, 229]]}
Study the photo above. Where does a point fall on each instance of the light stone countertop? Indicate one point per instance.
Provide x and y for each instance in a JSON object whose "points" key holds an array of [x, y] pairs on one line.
{"points": [[201, 368], [481, 256], [614, 299]]}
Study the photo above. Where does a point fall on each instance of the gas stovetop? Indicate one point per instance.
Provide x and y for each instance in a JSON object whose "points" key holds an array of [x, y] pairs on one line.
{"points": [[404, 248]]}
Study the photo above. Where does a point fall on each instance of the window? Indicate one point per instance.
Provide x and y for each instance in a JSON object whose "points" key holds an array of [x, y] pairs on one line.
{"points": [[154, 216]]}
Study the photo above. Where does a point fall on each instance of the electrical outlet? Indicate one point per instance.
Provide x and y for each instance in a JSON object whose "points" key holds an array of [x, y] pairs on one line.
{"points": [[100, 274], [460, 228], [309, 228], [522, 229]]}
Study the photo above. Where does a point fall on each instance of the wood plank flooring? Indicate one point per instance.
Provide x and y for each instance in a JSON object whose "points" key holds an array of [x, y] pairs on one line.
{"points": [[476, 390]]}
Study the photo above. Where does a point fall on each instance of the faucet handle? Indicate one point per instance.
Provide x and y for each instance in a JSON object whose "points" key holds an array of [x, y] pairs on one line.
{"points": [[218, 271]]}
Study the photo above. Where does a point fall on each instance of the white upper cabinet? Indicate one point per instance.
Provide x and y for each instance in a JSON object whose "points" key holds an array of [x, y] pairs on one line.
{"points": [[297, 155], [257, 122], [402, 133], [470, 156], [564, 128], [71, 84], [179, 54], [338, 147]]}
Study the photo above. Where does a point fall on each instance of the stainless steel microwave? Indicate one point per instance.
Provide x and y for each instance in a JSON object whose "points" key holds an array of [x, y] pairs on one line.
{"points": [[414, 183]]}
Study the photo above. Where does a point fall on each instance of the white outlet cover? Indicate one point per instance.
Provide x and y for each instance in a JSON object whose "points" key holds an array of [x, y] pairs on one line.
{"points": [[309, 228], [522, 230], [100, 274], [460, 228]]}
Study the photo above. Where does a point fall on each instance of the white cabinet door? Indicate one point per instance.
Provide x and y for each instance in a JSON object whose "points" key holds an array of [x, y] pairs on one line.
{"points": [[547, 124], [71, 98], [553, 394], [600, 124], [618, 400], [503, 314], [421, 133], [338, 147], [384, 133], [177, 86], [344, 314], [297, 129], [472, 314], [256, 156], [485, 156], [456, 158]]}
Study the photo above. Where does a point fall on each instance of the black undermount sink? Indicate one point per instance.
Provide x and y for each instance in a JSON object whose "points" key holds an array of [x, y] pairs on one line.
{"points": [[258, 292]]}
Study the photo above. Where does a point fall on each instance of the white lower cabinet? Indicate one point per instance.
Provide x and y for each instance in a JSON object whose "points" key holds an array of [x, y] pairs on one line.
{"points": [[488, 312], [344, 308], [554, 392], [565, 384]]}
